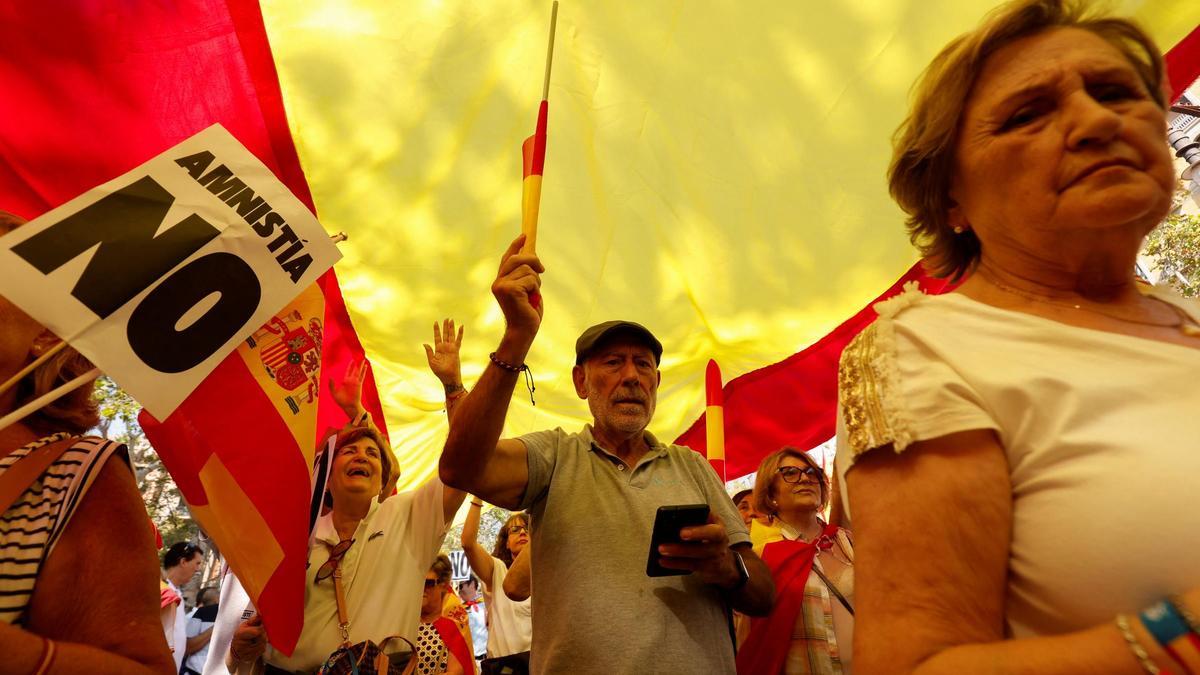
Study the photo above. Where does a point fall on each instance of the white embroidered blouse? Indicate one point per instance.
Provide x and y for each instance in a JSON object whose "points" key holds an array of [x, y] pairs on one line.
{"points": [[1100, 432]]}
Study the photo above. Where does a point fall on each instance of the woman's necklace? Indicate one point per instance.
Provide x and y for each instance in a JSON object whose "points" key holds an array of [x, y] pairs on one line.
{"points": [[1183, 323]]}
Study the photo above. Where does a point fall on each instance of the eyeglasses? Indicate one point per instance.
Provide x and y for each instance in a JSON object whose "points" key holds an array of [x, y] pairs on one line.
{"points": [[792, 474], [518, 529], [335, 556]]}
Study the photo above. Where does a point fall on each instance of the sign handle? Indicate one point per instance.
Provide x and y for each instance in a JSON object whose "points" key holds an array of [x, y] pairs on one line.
{"points": [[37, 403], [12, 381]]}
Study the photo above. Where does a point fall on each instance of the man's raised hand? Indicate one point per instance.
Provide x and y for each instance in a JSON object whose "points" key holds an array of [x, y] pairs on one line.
{"points": [[518, 279]]}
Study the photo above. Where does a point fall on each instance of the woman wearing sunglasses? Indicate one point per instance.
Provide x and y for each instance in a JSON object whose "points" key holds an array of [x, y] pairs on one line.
{"points": [[810, 630]]}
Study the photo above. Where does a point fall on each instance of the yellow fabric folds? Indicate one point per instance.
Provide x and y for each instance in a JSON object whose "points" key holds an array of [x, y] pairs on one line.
{"points": [[714, 171]]}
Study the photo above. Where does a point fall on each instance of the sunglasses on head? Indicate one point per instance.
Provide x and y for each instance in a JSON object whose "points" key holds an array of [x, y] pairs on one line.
{"points": [[792, 474]]}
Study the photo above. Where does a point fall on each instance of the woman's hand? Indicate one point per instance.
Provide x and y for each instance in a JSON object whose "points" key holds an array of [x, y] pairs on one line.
{"points": [[249, 640], [348, 393], [443, 355]]}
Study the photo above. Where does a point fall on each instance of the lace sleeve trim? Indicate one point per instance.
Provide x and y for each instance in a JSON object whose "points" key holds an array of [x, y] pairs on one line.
{"points": [[869, 382]]}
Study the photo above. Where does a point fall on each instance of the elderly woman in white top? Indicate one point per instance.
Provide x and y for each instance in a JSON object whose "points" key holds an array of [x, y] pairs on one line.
{"points": [[384, 547], [1021, 455]]}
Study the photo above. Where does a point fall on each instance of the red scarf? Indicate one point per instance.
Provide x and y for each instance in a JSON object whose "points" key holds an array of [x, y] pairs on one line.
{"points": [[766, 647], [454, 642]]}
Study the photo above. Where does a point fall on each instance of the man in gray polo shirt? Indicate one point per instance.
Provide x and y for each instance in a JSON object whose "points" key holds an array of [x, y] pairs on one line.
{"points": [[594, 495]]}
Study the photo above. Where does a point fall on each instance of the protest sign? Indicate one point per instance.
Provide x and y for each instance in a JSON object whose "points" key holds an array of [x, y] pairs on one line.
{"points": [[158, 274]]}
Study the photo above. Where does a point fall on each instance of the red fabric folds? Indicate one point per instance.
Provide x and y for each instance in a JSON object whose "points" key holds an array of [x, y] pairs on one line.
{"points": [[94, 89], [1183, 63], [793, 402]]}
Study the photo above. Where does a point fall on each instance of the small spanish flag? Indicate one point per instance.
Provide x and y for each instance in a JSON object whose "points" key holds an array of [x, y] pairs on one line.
{"points": [[714, 418], [533, 153]]}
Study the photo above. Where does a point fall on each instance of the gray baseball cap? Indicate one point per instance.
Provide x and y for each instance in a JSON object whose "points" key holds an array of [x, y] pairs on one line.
{"points": [[597, 334]]}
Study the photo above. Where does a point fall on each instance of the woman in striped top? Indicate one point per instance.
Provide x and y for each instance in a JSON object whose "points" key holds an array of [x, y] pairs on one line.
{"points": [[78, 571]]}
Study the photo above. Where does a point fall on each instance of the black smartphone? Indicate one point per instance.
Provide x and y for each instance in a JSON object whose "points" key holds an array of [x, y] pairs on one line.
{"points": [[667, 523]]}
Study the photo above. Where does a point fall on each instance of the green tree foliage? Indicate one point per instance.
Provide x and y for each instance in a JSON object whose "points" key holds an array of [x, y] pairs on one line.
{"points": [[1175, 245], [164, 503], [490, 522]]}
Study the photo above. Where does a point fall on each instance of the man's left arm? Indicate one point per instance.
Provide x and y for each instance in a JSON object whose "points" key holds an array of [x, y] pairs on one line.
{"points": [[757, 596]]}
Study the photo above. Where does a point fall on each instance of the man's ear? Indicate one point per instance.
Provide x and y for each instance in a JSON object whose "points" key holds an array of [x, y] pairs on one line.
{"points": [[578, 377]]}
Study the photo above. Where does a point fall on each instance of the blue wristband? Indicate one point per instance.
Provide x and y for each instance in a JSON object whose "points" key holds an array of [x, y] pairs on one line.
{"points": [[1162, 621]]}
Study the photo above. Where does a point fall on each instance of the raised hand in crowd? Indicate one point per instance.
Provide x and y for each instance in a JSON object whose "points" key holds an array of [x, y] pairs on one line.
{"points": [[443, 357], [475, 459], [518, 280], [347, 392]]}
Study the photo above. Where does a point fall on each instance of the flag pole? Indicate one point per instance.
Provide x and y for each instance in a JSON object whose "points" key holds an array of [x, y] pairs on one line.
{"points": [[550, 51]]}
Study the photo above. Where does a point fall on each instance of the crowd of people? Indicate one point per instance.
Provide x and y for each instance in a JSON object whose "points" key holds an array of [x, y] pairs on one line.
{"points": [[1012, 491]]}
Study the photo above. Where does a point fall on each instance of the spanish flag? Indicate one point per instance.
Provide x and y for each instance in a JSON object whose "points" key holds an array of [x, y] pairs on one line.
{"points": [[533, 153], [240, 448]]}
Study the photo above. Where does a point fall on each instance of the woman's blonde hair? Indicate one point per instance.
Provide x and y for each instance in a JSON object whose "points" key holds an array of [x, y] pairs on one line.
{"points": [[74, 412], [764, 501], [924, 144]]}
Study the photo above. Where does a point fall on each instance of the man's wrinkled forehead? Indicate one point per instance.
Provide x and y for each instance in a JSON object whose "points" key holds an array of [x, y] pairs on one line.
{"points": [[621, 344]]}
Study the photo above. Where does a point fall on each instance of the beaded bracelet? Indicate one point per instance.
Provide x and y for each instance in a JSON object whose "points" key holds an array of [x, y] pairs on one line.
{"points": [[504, 365], [1139, 652]]}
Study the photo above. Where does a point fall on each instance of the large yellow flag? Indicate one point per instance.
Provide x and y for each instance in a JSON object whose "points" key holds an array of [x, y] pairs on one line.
{"points": [[718, 175]]}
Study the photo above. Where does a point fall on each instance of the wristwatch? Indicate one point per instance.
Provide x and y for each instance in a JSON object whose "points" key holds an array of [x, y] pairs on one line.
{"points": [[743, 573]]}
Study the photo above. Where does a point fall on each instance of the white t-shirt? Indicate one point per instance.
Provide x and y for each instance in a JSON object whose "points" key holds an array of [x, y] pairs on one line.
{"points": [[511, 628], [177, 631], [1100, 432], [477, 620], [382, 572]]}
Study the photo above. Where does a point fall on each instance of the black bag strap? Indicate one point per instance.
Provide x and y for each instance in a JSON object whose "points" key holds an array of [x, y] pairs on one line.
{"points": [[833, 589]]}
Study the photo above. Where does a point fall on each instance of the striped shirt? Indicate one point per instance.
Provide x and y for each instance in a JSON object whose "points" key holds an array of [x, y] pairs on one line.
{"points": [[31, 527]]}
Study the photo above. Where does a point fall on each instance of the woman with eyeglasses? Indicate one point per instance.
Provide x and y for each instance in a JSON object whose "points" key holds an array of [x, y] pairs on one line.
{"points": [[510, 622], [811, 627], [376, 545]]}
